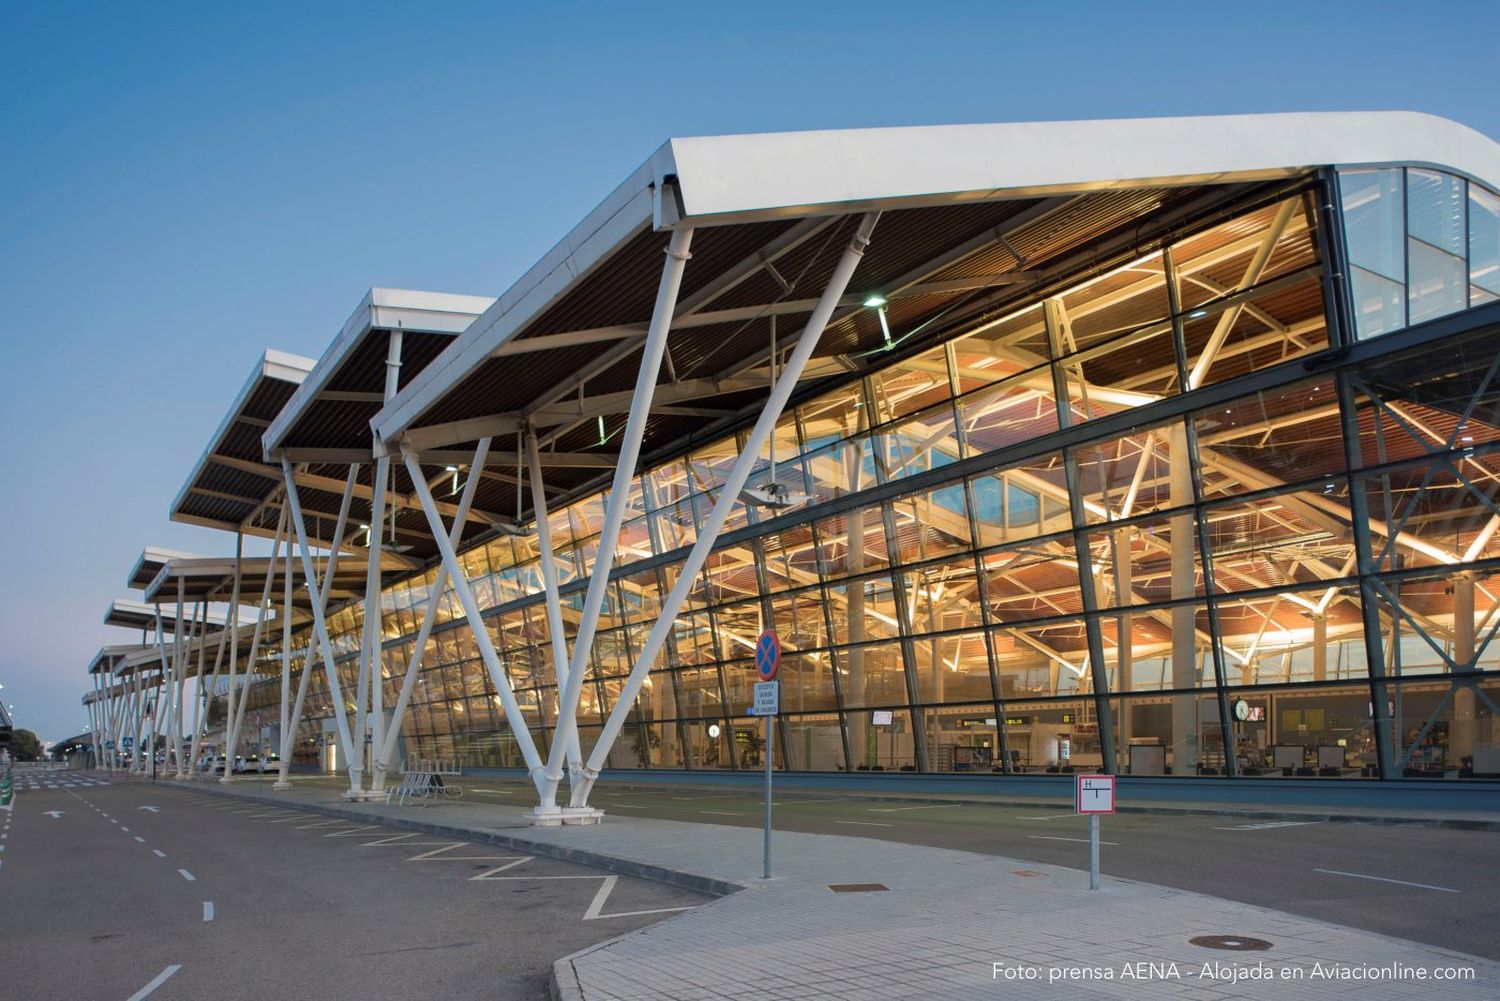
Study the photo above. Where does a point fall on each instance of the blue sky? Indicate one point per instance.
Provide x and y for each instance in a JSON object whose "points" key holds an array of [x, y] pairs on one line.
{"points": [[185, 184]]}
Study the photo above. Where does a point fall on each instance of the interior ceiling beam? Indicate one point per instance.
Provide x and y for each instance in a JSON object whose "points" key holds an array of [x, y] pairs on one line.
{"points": [[314, 481], [929, 269]]}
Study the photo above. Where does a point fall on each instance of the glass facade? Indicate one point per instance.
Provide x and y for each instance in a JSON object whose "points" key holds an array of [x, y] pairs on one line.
{"points": [[1060, 539]]}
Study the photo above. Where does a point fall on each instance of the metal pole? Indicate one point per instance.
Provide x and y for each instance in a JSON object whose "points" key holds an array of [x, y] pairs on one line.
{"points": [[233, 628], [455, 534], [1093, 851], [320, 626], [549, 582], [765, 872], [728, 497], [604, 554], [513, 714]]}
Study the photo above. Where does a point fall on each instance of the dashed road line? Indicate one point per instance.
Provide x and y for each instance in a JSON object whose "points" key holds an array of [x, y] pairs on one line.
{"points": [[208, 910], [140, 839], [1383, 879], [862, 823], [187, 875], [903, 809], [1082, 841], [158, 853], [722, 813]]}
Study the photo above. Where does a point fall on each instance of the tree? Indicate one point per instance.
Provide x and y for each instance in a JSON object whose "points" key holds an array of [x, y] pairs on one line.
{"points": [[24, 745]]}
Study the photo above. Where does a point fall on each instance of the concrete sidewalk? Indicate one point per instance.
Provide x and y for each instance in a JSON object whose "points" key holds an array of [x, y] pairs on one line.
{"points": [[945, 923]]}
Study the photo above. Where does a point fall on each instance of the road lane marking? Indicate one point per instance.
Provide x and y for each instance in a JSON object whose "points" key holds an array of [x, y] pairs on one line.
{"points": [[493, 792], [1269, 825], [1050, 816], [903, 809], [187, 875], [160, 979], [140, 839], [728, 795], [722, 813], [125, 829], [208, 910], [1082, 841], [489, 873], [1383, 879], [862, 823], [625, 806], [596, 906], [158, 853]]}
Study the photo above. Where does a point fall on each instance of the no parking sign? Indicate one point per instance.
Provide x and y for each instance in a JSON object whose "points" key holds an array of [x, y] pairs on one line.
{"points": [[768, 655]]}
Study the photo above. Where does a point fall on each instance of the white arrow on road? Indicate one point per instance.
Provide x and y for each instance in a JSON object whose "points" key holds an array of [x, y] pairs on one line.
{"points": [[54, 814], [153, 809]]}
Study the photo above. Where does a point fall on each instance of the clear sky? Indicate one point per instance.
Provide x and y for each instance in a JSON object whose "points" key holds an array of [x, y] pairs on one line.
{"points": [[185, 184]]}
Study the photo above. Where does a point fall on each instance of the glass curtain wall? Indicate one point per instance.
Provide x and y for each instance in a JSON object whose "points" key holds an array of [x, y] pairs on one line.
{"points": [[1232, 590]]}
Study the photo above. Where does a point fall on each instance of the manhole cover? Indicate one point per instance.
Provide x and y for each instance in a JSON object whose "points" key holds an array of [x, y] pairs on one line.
{"points": [[1234, 943], [1025, 872], [857, 887]]}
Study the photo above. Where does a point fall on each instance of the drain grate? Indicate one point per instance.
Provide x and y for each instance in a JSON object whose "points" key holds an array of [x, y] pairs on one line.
{"points": [[1234, 943], [857, 887]]}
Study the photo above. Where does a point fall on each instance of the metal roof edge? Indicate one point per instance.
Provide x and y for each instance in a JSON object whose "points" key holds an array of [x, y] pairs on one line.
{"points": [[272, 364], [370, 314], [746, 177], [631, 206]]}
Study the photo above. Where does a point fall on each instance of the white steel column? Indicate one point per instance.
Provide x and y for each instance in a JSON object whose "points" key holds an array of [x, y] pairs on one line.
{"points": [[281, 783], [198, 624], [372, 674], [728, 497], [476, 621], [566, 732], [429, 617], [318, 594], [320, 626], [205, 692], [262, 613], [549, 582], [234, 642]]}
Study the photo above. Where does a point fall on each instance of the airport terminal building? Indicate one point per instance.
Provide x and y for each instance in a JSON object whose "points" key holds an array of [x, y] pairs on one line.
{"points": [[1165, 447]]}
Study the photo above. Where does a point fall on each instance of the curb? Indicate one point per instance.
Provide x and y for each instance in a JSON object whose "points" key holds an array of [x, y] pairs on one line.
{"points": [[1248, 813], [625, 867]]}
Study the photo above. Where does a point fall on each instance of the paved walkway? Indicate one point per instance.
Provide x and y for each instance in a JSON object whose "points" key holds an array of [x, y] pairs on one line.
{"points": [[948, 924]]}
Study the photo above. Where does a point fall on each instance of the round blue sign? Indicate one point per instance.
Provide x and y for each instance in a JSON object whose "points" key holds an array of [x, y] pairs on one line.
{"points": [[768, 655]]}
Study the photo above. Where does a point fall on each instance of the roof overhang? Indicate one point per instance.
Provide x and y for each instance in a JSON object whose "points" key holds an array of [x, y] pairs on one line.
{"points": [[150, 562], [352, 371], [140, 615], [230, 484]]}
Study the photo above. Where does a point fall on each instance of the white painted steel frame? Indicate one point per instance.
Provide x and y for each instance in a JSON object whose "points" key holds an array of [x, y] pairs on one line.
{"points": [[320, 624], [549, 582], [492, 663], [729, 495], [429, 618], [614, 513]]}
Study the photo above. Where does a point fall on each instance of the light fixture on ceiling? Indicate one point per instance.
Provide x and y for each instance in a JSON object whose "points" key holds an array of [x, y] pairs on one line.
{"points": [[772, 495], [878, 302], [454, 471]]}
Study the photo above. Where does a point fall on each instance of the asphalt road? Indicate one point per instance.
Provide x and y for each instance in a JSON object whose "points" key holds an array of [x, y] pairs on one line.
{"points": [[104, 889], [1335, 872]]}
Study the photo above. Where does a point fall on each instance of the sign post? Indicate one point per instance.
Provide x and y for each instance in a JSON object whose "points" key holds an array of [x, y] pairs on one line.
{"points": [[767, 705], [1095, 794]]}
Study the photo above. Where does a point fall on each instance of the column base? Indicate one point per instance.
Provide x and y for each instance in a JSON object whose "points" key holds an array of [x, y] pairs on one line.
{"points": [[363, 795], [545, 817], [582, 815], [280, 786]]}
